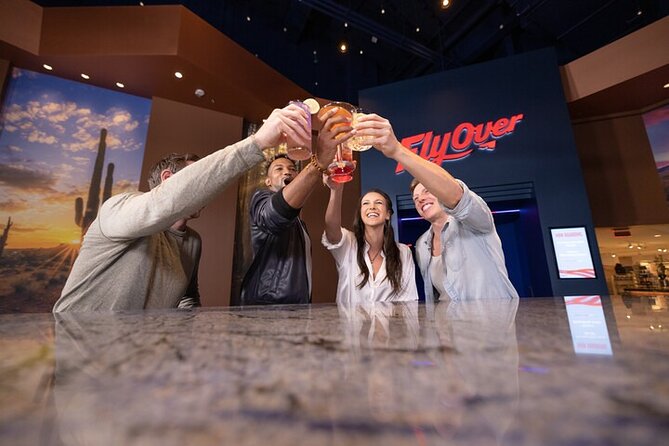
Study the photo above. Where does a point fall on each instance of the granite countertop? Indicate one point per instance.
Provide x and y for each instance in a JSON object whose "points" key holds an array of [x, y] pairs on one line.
{"points": [[529, 372]]}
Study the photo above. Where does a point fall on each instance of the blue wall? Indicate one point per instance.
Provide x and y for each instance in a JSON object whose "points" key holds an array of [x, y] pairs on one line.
{"points": [[540, 151]]}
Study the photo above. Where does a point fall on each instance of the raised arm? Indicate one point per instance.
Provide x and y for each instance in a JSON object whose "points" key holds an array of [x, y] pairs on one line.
{"points": [[434, 178], [333, 211], [189, 190]]}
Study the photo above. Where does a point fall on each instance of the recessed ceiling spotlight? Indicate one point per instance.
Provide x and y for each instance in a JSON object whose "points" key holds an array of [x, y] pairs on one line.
{"points": [[417, 29], [445, 4], [658, 235], [178, 74], [360, 51], [383, 11], [85, 76], [141, 3], [343, 47], [47, 67], [285, 30], [666, 85], [501, 26], [120, 85], [345, 24], [639, 12], [316, 83], [374, 39], [315, 52], [199, 92], [248, 18]]}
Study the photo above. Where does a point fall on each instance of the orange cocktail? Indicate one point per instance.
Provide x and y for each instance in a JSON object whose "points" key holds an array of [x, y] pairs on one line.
{"points": [[342, 166]]}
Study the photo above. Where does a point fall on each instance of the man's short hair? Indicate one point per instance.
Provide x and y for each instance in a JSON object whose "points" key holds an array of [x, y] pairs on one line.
{"points": [[173, 162], [277, 157], [413, 184]]}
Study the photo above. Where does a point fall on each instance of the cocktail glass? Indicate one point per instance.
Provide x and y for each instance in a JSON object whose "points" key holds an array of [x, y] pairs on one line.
{"points": [[358, 143], [342, 166], [293, 150]]}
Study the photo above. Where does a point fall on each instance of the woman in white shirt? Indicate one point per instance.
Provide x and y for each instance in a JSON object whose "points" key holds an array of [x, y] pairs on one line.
{"points": [[372, 267]]}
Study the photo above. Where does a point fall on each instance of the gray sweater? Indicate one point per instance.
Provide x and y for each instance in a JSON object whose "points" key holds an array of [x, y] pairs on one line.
{"points": [[130, 259]]}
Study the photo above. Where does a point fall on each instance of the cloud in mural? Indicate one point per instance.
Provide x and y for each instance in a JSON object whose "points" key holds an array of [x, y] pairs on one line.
{"points": [[126, 186], [23, 177], [75, 128], [21, 228], [12, 205]]}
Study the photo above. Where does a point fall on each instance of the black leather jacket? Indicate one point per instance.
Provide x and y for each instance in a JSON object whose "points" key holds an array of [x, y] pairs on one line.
{"points": [[278, 274]]}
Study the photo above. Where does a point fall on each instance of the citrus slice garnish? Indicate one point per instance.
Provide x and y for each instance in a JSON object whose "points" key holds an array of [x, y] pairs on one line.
{"points": [[313, 105]]}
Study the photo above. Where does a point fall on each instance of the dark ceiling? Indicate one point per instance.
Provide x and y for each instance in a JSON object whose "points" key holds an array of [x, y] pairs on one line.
{"points": [[392, 40]]}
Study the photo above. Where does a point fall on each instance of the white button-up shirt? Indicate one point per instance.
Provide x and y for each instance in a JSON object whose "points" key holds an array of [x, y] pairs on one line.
{"points": [[377, 289]]}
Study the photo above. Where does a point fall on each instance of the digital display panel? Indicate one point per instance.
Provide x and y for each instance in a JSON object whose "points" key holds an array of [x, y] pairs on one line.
{"points": [[572, 253]]}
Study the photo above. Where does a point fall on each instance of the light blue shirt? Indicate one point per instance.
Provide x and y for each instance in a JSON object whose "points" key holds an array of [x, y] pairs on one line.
{"points": [[471, 253]]}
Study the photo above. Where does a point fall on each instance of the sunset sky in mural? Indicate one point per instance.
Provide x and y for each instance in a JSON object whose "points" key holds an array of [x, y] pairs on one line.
{"points": [[49, 134]]}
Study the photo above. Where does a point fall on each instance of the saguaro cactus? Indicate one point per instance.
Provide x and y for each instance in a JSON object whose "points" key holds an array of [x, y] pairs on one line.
{"points": [[5, 234], [84, 217], [109, 180]]}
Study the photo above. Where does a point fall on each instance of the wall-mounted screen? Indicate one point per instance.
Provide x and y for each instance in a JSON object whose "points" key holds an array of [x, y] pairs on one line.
{"points": [[657, 128], [572, 253]]}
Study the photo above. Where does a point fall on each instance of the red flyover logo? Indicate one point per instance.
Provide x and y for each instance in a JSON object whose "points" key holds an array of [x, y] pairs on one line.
{"points": [[456, 145]]}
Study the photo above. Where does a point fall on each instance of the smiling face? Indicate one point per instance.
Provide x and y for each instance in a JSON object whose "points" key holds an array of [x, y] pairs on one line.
{"points": [[426, 204], [374, 209], [281, 172]]}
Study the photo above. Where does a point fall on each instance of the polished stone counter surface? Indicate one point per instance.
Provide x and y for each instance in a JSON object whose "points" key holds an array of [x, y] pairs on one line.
{"points": [[552, 371]]}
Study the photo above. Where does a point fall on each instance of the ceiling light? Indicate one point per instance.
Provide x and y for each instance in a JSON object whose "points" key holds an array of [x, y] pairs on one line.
{"points": [[360, 51], [85, 76], [639, 12], [315, 52], [120, 85], [665, 85], [345, 24], [343, 47], [248, 18], [47, 67], [613, 255], [178, 74], [501, 26], [199, 92], [658, 235], [141, 3], [445, 4], [374, 39], [285, 30], [417, 29], [383, 11]]}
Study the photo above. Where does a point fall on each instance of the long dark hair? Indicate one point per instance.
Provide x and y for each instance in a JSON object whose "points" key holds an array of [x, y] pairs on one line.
{"points": [[390, 249]]}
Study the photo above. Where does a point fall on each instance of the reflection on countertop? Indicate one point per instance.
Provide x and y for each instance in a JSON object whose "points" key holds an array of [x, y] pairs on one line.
{"points": [[467, 373]]}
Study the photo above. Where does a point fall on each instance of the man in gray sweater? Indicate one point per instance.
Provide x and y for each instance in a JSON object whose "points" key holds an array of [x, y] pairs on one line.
{"points": [[138, 253]]}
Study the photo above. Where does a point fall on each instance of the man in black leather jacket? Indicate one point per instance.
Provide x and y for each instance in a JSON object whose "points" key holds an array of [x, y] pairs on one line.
{"points": [[281, 269]]}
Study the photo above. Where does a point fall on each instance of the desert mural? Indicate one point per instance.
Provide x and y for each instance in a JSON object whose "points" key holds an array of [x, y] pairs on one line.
{"points": [[65, 147]]}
